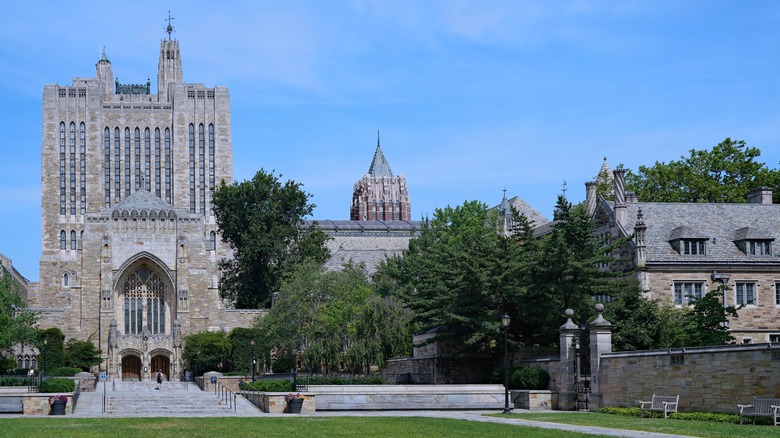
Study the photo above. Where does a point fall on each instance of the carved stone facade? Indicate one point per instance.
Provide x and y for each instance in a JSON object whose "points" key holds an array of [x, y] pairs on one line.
{"points": [[130, 247]]}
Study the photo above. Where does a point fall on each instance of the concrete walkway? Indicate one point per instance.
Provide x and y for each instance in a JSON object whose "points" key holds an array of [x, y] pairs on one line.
{"points": [[90, 405]]}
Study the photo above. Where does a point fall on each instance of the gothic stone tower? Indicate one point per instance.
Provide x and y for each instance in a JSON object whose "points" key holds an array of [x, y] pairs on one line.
{"points": [[380, 196], [130, 247]]}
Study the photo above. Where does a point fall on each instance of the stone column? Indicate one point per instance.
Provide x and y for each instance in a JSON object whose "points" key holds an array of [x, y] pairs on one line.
{"points": [[567, 397], [600, 343]]}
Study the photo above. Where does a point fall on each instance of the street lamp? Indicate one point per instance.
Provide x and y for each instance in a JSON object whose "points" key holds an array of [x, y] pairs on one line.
{"points": [[254, 361], [505, 326], [45, 350]]}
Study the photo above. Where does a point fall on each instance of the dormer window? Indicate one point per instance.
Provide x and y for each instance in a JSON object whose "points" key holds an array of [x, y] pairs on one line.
{"points": [[692, 247], [753, 242], [686, 241], [759, 247]]}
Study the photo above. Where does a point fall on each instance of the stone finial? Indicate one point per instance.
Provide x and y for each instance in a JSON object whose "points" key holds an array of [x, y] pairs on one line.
{"points": [[600, 321], [569, 325]]}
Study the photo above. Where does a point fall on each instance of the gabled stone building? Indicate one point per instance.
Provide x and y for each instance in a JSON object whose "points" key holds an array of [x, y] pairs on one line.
{"points": [[687, 249], [380, 195]]}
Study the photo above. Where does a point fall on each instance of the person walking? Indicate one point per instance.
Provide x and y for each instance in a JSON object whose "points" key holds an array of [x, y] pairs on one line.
{"points": [[159, 379]]}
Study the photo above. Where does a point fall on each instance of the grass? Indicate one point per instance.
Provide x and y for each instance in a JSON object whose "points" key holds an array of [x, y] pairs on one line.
{"points": [[671, 426], [298, 426]]}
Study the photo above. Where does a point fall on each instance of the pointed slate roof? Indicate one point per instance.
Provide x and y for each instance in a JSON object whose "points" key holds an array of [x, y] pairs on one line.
{"points": [[379, 167]]}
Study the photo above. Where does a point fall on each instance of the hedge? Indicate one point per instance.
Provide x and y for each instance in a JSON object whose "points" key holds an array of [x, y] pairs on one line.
{"points": [[57, 385]]}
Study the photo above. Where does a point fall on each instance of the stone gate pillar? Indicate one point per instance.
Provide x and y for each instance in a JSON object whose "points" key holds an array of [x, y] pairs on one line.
{"points": [[567, 396], [600, 342]]}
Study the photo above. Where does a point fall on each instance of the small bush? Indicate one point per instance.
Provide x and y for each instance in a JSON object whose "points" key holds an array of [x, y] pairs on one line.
{"points": [[14, 381], [268, 386], [57, 385], [336, 380], [234, 373], [714, 417], [64, 371], [283, 364], [529, 378]]}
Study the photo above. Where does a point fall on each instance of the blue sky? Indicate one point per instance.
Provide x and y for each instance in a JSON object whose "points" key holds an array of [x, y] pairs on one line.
{"points": [[471, 97]]}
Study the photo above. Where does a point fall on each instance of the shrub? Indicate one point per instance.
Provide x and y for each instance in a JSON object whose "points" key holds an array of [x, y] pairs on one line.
{"points": [[58, 385], [268, 386], [7, 365], [715, 417], [336, 380], [64, 372], [529, 378], [234, 373], [14, 381], [283, 364]]}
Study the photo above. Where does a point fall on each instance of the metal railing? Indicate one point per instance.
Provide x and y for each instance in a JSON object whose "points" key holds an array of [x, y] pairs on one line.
{"points": [[225, 395]]}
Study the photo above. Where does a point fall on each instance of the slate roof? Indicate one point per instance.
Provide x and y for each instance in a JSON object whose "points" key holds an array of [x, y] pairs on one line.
{"points": [[379, 167], [523, 207], [721, 224]]}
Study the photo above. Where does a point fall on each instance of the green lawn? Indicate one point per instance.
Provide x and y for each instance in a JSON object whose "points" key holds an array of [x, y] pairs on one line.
{"points": [[298, 426], [678, 427]]}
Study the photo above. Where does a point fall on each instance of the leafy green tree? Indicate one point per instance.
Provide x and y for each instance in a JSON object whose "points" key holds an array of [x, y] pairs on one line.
{"points": [[724, 174], [16, 325], [336, 320], [637, 319], [81, 354], [207, 351], [261, 220], [460, 273], [242, 349], [708, 320], [52, 349]]}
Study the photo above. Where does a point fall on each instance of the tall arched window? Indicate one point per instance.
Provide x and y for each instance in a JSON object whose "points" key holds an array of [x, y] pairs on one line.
{"points": [[63, 240], [157, 157], [212, 241], [72, 168], [137, 156], [65, 280], [168, 165], [63, 190], [72, 239], [192, 168], [82, 168], [117, 165], [211, 168], [127, 162], [147, 160], [202, 168], [144, 288], [107, 167]]}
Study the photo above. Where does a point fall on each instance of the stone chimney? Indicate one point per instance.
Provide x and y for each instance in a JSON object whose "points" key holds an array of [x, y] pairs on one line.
{"points": [[590, 197], [760, 195], [619, 175]]}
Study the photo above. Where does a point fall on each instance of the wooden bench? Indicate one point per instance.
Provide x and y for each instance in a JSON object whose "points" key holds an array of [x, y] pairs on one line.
{"points": [[659, 403], [761, 407]]}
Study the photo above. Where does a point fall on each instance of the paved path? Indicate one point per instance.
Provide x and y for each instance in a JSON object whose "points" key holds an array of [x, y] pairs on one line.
{"points": [[91, 405]]}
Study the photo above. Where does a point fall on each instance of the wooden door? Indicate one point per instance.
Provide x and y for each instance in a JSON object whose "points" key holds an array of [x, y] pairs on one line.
{"points": [[131, 368], [161, 363]]}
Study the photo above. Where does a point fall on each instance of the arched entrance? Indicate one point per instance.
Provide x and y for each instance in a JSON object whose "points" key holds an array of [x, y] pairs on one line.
{"points": [[163, 363], [131, 368]]}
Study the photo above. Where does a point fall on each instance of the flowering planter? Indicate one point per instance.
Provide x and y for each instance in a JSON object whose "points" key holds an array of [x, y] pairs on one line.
{"points": [[58, 408], [294, 406]]}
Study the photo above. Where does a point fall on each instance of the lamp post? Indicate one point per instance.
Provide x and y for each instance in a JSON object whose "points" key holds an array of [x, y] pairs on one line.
{"points": [[254, 361], [505, 326], [45, 350]]}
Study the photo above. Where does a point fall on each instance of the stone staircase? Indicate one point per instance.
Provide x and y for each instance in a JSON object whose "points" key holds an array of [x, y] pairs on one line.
{"points": [[140, 399]]}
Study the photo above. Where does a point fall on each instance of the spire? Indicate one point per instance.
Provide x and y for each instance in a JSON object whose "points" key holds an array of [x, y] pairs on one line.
{"points": [[504, 209], [379, 167], [169, 29], [103, 56]]}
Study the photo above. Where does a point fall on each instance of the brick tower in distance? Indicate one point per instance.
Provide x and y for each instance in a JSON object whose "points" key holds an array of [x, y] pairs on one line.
{"points": [[379, 195]]}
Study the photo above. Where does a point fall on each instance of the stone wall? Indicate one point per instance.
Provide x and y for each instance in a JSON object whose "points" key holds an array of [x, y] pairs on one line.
{"points": [[710, 379]]}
